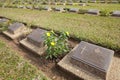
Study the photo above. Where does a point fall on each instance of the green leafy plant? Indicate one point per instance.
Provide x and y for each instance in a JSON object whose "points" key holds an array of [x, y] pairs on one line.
{"points": [[56, 45], [4, 26], [105, 13]]}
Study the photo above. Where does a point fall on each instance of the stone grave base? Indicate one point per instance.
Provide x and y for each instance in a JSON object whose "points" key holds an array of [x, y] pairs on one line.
{"points": [[32, 47], [94, 14], [16, 35], [74, 11], [82, 4], [115, 16], [49, 10], [113, 74], [62, 11], [116, 13], [90, 14]]}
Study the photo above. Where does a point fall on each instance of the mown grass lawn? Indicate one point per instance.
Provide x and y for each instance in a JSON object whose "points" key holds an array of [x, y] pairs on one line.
{"points": [[104, 31], [14, 67], [99, 6]]}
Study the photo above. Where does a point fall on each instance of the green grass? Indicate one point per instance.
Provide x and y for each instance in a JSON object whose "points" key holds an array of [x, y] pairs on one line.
{"points": [[99, 6], [104, 31], [14, 67]]}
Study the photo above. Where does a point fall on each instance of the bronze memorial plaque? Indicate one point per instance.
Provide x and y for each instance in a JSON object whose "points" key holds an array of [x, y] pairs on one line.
{"points": [[93, 58], [36, 37]]}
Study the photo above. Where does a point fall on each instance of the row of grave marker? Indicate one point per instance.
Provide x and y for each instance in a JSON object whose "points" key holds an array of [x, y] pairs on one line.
{"points": [[76, 10], [81, 3], [90, 58]]}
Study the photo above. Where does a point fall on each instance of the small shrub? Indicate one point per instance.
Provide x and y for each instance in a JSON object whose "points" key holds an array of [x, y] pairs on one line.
{"points": [[3, 26], [11, 6], [105, 13], [56, 45], [14, 6], [41, 7], [66, 9]]}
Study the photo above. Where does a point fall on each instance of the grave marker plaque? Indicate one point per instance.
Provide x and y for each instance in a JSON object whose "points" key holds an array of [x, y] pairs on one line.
{"points": [[82, 4], [92, 58], [36, 7], [115, 1], [21, 6], [116, 13], [93, 1], [29, 7], [16, 28], [2, 20], [47, 8], [74, 10], [59, 9], [69, 3], [36, 37], [93, 11]]}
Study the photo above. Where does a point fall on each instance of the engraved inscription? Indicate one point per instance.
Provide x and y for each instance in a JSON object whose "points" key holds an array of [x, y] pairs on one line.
{"points": [[93, 55], [97, 50], [83, 49]]}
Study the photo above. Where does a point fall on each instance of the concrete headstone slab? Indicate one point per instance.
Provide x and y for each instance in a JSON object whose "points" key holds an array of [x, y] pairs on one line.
{"points": [[93, 11], [95, 58], [36, 37], [89, 62], [74, 10], [116, 13], [16, 27]]}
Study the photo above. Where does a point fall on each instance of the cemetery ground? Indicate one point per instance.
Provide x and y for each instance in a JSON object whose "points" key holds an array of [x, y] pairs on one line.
{"points": [[48, 67], [99, 30], [99, 6], [108, 7], [103, 31], [12, 66]]}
